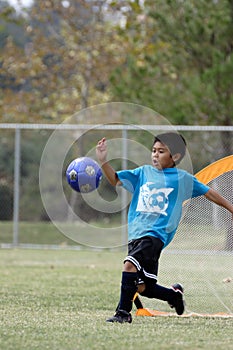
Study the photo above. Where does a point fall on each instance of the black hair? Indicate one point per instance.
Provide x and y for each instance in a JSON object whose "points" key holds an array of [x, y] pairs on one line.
{"points": [[174, 141]]}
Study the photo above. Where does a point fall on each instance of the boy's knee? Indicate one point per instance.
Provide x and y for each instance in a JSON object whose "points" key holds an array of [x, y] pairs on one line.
{"points": [[129, 267], [141, 288]]}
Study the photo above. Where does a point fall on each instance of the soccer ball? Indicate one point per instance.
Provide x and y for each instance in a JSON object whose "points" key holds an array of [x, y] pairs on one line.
{"points": [[84, 174]]}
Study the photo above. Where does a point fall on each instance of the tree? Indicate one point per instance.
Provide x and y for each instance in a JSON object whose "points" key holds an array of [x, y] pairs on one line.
{"points": [[181, 50], [65, 63]]}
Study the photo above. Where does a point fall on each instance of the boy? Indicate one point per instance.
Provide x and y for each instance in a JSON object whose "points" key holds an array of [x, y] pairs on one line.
{"points": [[158, 192]]}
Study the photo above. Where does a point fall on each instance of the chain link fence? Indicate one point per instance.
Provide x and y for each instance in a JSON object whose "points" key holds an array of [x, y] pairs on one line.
{"points": [[24, 217]]}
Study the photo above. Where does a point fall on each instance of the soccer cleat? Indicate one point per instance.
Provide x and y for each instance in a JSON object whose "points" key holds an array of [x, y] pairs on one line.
{"points": [[179, 303], [121, 316]]}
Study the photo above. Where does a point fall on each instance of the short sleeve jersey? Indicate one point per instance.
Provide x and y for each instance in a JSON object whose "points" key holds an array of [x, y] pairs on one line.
{"points": [[157, 198]]}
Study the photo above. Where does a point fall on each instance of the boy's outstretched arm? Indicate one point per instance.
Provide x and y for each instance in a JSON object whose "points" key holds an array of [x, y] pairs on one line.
{"points": [[215, 197], [101, 153]]}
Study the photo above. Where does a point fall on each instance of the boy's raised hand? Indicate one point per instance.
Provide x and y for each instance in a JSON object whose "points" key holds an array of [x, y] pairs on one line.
{"points": [[101, 153], [101, 150]]}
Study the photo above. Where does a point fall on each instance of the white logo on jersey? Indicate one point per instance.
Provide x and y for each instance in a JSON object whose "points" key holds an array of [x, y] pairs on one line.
{"points": [[153, 200]]}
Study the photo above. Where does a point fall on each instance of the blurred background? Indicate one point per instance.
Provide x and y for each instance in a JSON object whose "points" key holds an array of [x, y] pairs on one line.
{"points": [[60, 57]]}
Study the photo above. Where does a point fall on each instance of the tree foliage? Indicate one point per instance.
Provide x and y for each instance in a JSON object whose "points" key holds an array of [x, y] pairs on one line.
{"points": [[64, 63], [179, 60]]}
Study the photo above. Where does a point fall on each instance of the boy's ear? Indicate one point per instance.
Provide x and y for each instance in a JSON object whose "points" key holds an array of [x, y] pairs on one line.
{"points": [[176, 157]]}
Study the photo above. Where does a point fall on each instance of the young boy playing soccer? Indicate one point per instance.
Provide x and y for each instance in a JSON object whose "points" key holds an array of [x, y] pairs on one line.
{"points": [[158, 191]]}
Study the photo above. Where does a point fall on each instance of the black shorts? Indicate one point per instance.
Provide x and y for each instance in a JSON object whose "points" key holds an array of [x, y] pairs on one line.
{"points": [[144, 254]]}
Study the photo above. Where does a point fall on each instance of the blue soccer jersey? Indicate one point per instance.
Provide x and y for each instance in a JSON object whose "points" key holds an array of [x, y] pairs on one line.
{"points": [[157, 198]]}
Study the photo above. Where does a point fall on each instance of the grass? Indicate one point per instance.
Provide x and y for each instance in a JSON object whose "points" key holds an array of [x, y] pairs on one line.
{"points": [[60, 300], [34, 232], [194, 237], [67, 234]]}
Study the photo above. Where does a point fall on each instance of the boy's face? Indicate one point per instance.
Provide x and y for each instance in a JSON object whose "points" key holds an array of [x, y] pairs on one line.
{"points": [[161, 156]]}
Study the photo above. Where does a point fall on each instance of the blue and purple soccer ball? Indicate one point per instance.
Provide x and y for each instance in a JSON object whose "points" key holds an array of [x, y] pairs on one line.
{"points": [[84, 174]]}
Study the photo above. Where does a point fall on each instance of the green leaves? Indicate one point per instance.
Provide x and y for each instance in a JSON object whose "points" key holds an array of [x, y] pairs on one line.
{"points": [[181, 54]]}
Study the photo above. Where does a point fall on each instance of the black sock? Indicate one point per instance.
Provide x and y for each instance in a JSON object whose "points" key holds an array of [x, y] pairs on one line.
{"points": [[128, 290], [159, 292]]}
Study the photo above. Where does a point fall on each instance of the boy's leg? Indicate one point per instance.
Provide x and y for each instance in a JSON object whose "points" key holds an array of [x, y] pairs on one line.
{"points": [[136, 300], [174, 295], [128, 290], [146, 253]]}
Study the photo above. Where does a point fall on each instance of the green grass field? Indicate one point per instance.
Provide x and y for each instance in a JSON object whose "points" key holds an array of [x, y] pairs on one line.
{"points": [[100, 234], [60, 299]]}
